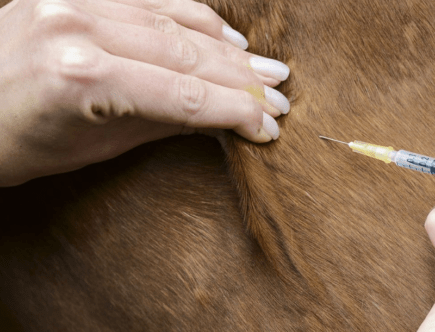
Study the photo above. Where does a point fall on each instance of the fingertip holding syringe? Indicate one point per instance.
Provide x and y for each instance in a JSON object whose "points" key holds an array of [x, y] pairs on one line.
{"points": [[387, 154]]}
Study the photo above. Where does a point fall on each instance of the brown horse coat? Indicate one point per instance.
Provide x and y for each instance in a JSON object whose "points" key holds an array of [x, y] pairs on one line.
{"points": [[295, 235]]}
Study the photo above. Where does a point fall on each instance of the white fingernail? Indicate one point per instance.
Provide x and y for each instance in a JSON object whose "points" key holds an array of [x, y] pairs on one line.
{"points": [[269, 67], [234, 37], [276, 99], [270, 126]]}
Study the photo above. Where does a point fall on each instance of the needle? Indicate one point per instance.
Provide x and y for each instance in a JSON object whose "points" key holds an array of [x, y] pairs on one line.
{"points": [[331, 139]]}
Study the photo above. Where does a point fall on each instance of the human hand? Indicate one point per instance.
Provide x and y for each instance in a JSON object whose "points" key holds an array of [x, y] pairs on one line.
{"points": [[86, 80], [428, 324]]}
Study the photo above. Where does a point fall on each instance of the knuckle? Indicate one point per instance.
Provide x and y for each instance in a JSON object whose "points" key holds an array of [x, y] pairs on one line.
{"points": [[57, 17], [185, 53], [77, 63], [207, 14], [102, 111], [166, 25], [230, 52], [155, 5], [71, 73], [192, 95]]}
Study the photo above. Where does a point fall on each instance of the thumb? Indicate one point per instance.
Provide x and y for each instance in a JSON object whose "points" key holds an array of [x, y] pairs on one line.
{"points": [[430, 226], [428, 324]]}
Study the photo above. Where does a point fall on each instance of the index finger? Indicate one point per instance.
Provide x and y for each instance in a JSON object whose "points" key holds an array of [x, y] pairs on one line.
{"points": [[193, 15]]}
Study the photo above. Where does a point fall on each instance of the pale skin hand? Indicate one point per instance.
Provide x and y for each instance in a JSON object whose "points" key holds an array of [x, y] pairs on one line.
{"points": [[429, 323], [83, 81]]}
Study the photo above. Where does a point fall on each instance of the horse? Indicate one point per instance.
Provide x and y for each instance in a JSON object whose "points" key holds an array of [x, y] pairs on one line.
{"points": [[299, 234]]}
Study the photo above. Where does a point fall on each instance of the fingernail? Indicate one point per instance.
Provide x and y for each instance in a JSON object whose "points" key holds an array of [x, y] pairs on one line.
{"points": [[234, 37], [276, 99], [270, 126], [269, 67]]}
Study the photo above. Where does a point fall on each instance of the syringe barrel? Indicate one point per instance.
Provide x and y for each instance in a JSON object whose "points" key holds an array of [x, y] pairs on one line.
{"points": [[414, 161]]}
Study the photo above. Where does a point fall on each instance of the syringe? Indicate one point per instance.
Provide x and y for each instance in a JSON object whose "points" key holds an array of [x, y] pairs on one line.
{"points": [[401, 158]]}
